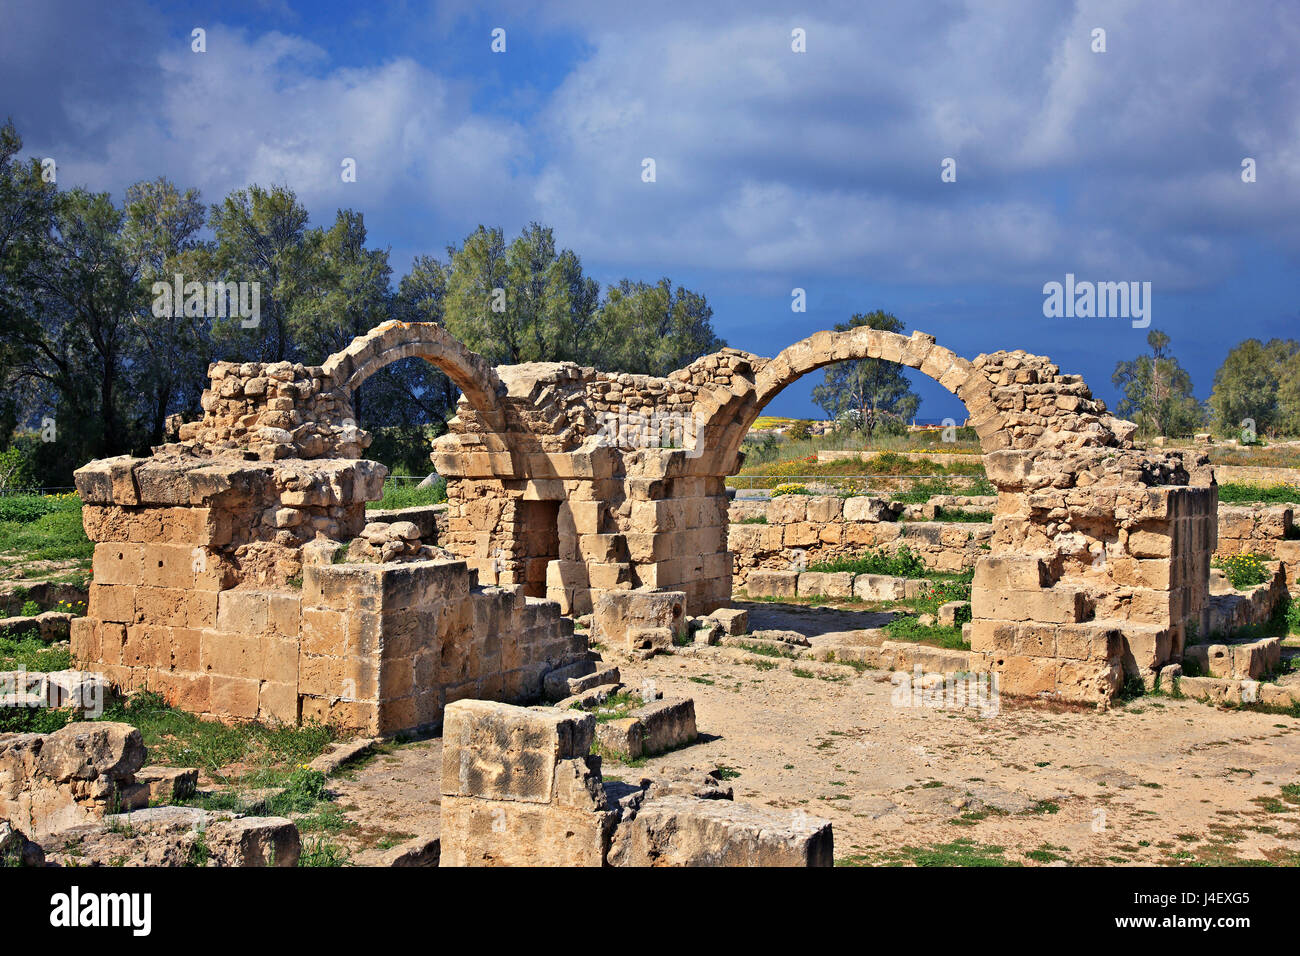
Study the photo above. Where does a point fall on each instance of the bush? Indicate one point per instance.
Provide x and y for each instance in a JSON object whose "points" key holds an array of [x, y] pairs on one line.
{"points": [[1243, 570], [25, 508], [406, 494], [903, 563], [16, 472], [799, 431], [780, 490]]}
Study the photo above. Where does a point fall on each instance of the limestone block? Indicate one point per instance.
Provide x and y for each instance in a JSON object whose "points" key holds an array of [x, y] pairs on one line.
{"points": [[617, 613], [1059, 605], [879, 587], [685, 831], [478, 832], [501, 752], [827, 584], [1011, 572], [734, 621], [668, 724], [764, 583], [166, 784], [625, 737]]}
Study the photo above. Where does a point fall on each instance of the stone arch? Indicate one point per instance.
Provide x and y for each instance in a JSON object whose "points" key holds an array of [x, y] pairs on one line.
{"points": [[726, 416], [393, 341]]}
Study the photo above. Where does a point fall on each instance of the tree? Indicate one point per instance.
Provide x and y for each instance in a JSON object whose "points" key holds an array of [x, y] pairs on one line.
{"points": [[262, 236], [159, 238], [1157, 391], [26, 217], [652, 329], [1246, 386], [864, 392]]}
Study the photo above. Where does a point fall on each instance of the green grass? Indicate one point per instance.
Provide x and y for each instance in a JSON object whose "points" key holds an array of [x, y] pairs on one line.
{"points": [[33, 654], [768, 650], [960, 852], [322, 852], [903, 563], [963, 516], [405, 494], [616, 707], [922, 491], [264, 756], [1237, 493], [907, 628], [55, 534]]}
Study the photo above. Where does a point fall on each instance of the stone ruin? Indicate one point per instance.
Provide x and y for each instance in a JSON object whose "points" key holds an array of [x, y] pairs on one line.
{"points": [[234, 571]]}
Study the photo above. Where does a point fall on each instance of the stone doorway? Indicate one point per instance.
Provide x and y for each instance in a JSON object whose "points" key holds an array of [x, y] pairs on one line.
{"points": [[540, 521]]}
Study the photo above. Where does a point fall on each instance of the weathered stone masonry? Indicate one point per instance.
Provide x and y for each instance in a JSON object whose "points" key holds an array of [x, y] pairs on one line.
{"points": [[221, 579]]}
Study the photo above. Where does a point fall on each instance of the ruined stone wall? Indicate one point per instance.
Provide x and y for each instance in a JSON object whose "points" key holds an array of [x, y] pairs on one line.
{"points": [[273, 410], [214, 584], [801, 530], [1260, 529], [1100, 563], [569, 482]]}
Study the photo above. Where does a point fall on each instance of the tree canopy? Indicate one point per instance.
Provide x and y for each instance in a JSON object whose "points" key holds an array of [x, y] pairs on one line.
{"points": [[86, 349], [863, 393], [1157, 391]]}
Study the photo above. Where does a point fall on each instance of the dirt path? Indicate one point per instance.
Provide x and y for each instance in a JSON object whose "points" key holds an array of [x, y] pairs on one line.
{"points": [[1157, 781]]}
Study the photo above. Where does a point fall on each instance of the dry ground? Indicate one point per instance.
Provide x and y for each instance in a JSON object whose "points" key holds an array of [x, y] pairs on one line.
{"points": [[1154, 781]]}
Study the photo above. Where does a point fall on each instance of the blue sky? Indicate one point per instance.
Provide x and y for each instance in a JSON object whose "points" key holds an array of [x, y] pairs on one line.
{"points": [[775, 169]]}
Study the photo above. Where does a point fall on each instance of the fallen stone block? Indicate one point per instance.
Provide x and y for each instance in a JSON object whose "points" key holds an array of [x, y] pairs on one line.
{"points": [[625, 737], [618, 614], [878, 587], [605, 676], [793, 638], [556, 684], [184, 836], [668, 724], [338, 754], [684, 831], [17, 850], [825, 584], [501, 752], [775, 584], [650, 639], [734, 621], [168, 784], [589, 698], [478, 832], [420, 851]]}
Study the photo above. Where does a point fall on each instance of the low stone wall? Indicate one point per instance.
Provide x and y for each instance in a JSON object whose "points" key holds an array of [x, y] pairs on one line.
{"points": [[804, 529], [1231, 610], [373, 647], [833, 584], [1261, 529]]}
